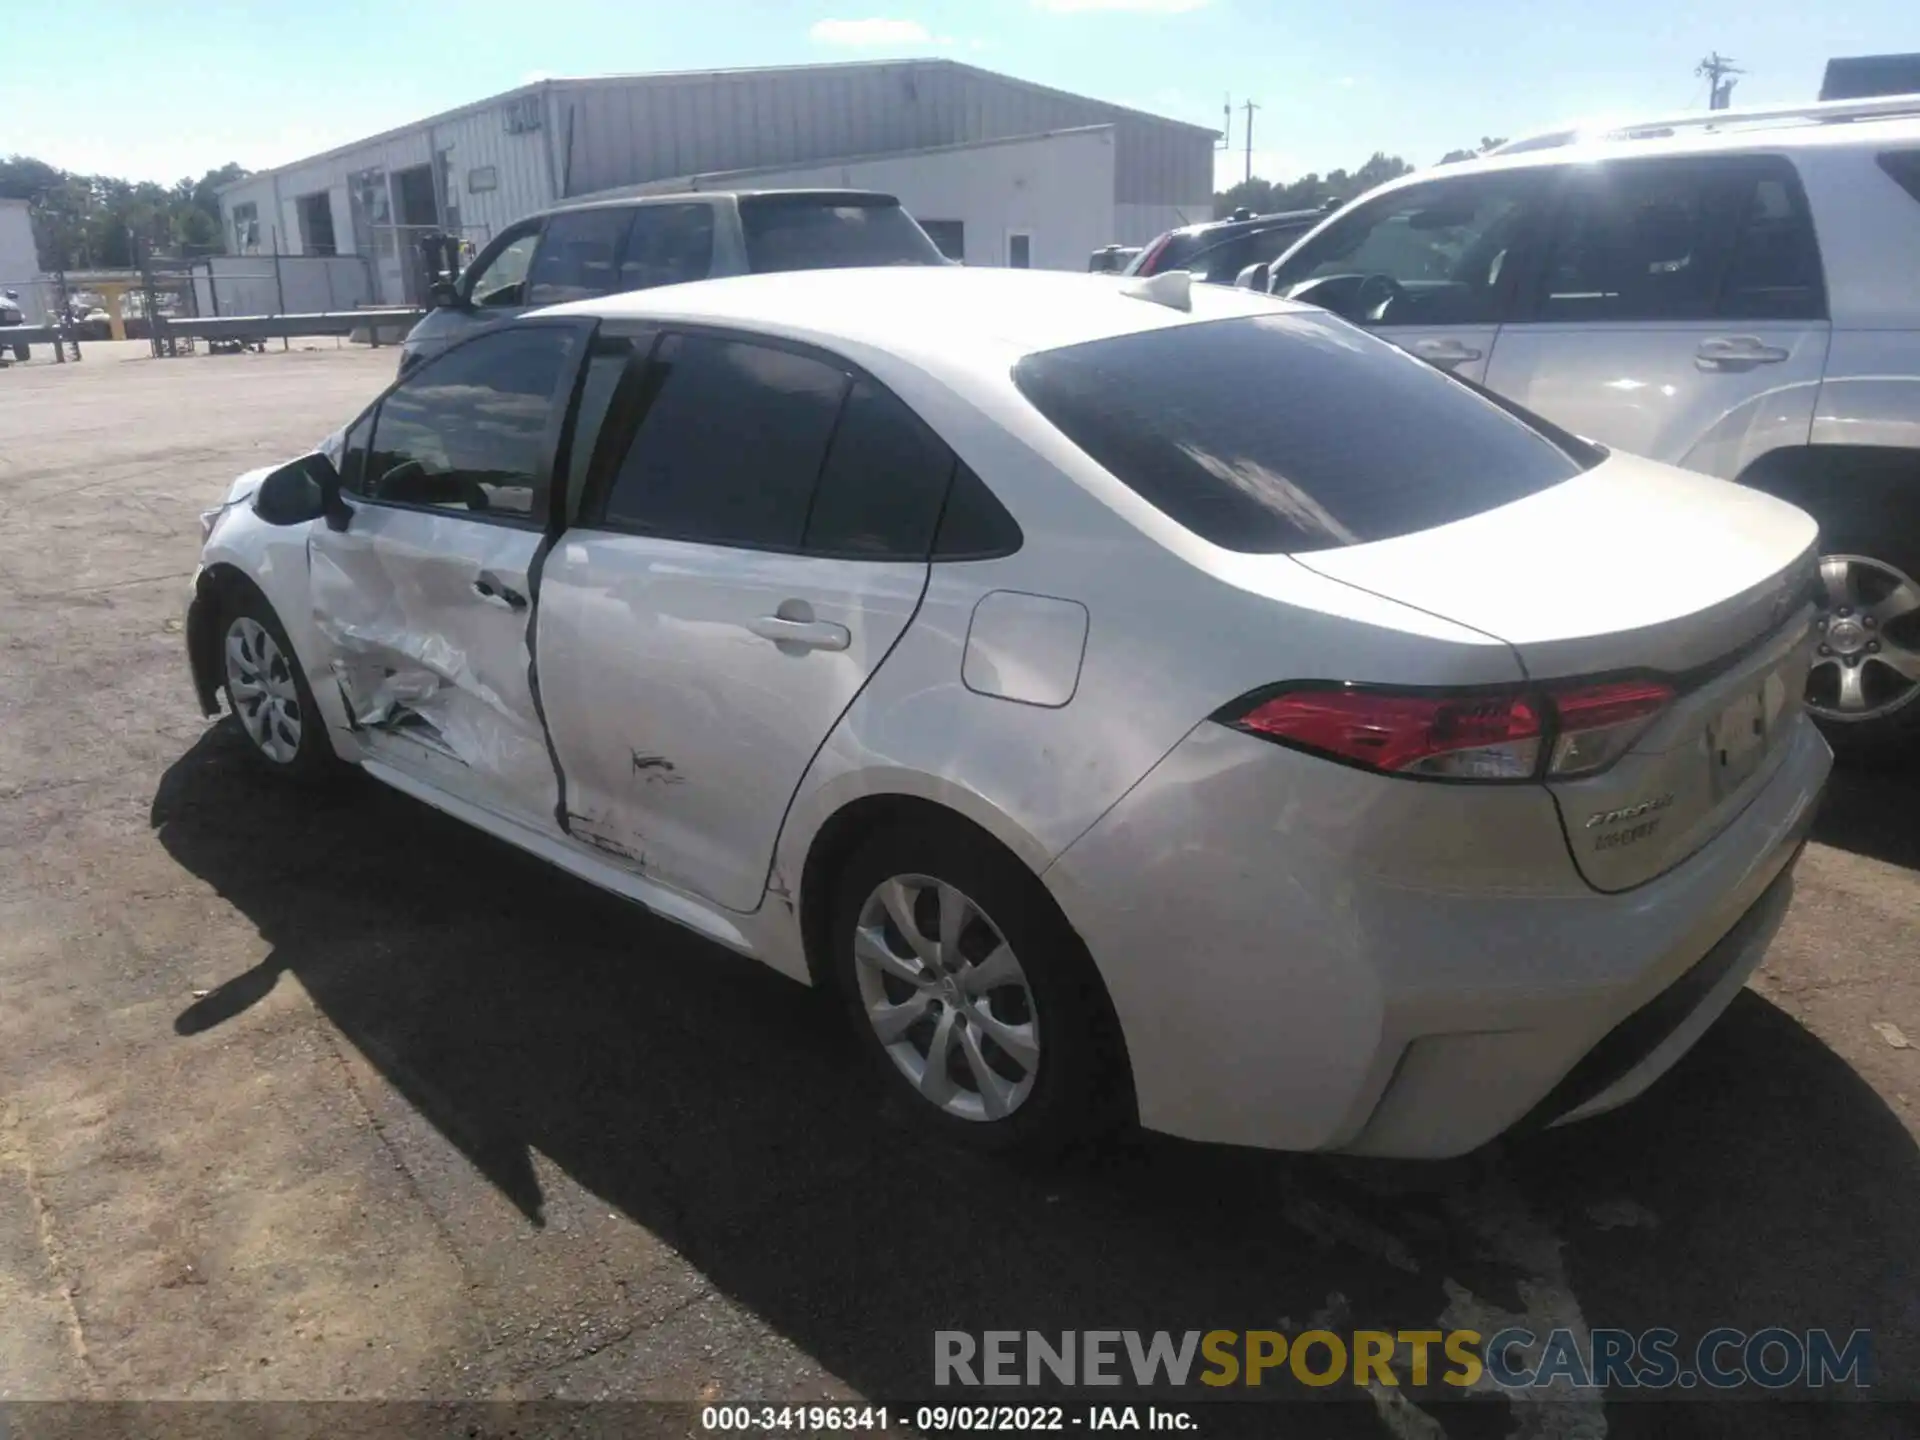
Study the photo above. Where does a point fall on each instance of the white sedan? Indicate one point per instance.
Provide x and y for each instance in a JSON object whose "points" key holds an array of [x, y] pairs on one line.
{"points": [[1137, 701]]}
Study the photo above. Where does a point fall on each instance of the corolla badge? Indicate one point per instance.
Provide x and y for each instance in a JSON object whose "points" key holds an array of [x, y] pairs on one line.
{"points": [[1631, 812]]}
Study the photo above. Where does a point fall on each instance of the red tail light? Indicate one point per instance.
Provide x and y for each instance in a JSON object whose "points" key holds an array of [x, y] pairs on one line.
{"points": [[1472, 735], [1595, 724]]}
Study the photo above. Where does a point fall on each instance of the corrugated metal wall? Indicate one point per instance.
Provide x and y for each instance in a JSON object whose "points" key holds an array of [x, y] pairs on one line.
{"points": [[593, 135], [479, 142], [627, 131]]}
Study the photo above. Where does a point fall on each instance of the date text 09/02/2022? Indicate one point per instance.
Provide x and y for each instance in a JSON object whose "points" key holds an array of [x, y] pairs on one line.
{"points": [[934, 1419]]}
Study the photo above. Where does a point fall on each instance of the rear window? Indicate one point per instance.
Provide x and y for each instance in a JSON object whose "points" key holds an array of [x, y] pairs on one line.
{"points": [[1289, 432], [809, 234]]}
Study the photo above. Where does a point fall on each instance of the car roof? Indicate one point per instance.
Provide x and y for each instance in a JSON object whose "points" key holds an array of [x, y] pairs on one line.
{"points": [[939, 316], [1771, 139], [1224, 229], [815, 196]]}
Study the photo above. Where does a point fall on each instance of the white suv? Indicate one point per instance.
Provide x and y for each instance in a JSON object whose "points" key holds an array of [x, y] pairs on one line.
{"points": [[1737, 293]]}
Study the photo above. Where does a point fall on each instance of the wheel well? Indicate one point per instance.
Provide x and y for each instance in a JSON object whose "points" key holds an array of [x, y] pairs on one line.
{"points": [[215, 588], [1849, 489], [851, 825], [843, 833]]}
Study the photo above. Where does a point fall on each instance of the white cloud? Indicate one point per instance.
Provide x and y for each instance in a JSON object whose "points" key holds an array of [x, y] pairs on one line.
{"points": [[877, 31], [1149, 7]]}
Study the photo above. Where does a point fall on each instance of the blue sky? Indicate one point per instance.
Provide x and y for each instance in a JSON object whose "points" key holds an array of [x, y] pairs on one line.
{"points": [[156, 92]]}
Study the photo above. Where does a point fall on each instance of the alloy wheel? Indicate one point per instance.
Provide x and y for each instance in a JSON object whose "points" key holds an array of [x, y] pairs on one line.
{"points": [[260, 681], [946, 997], [1868, 662]]}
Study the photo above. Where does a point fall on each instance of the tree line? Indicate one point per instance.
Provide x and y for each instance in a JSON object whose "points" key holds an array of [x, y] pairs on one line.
{"points": [[1311, 191], [92, 222]]}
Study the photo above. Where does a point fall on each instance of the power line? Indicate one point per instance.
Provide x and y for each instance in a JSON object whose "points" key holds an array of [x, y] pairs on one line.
{"points": [[1717, 70]]}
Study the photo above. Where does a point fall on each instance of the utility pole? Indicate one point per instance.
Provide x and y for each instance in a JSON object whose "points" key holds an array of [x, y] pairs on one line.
{"points": [[1226, 125], [1249, 107], [1712, 69]]}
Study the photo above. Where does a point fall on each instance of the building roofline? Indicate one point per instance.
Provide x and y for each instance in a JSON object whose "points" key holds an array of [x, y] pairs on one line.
{"points": [[382, 137], [542, 87], [688, 76], [704, 182]]}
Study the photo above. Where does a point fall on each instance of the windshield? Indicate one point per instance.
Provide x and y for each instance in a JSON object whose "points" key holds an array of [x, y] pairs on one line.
{"points": [[811, 234], [1290, 432]]}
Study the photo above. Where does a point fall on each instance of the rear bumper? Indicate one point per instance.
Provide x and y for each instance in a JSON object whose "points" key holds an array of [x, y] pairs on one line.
{"points": [[1296, 965]]}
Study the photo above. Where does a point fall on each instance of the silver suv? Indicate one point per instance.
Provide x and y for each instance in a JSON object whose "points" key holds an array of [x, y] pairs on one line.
{"points": [[1732, 292], [605, 247]]}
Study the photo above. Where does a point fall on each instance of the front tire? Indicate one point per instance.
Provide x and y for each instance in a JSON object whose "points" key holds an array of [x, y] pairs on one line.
{"points": [[23, 353], [979, 1004], [267, 693], [1864, 688]]}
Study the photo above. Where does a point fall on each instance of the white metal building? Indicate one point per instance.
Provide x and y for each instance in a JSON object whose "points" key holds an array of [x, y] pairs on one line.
{"points": [[1003, 169]]}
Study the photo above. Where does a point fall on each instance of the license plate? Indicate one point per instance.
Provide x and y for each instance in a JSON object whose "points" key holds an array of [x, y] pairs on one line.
{"points": [[1739, 738]]}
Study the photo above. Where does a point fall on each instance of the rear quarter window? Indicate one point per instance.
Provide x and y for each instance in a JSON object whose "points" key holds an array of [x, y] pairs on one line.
{"points": [[1290, 432]]}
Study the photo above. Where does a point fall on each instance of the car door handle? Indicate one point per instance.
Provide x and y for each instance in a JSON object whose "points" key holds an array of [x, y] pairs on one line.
{"points": [[802, 634], [1445, 352], [1738, 352], [492, 589]]}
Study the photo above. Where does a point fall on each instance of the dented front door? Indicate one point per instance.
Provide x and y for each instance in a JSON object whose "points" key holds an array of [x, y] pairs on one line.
{"points": [[428, 616], [426, 597]]}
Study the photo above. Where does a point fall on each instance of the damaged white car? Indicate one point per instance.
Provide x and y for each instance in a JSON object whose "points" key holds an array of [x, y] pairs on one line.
{"points": [[1135, 700]]}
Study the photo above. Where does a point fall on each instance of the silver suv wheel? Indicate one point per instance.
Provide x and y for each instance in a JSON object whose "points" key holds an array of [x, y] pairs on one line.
{"points": [[946, 997], [1868, 662]]}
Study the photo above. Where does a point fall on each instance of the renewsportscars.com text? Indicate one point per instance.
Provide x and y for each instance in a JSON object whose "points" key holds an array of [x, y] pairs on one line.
{"points": [[1512, 1359]]}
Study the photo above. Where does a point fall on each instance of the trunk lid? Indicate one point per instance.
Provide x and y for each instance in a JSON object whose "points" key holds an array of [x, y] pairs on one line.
{"points": [[1633, 567]]}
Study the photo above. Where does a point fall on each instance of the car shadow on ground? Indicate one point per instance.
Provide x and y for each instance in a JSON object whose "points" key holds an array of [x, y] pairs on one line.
{"points": [[1872, 812], [727, 1111]]}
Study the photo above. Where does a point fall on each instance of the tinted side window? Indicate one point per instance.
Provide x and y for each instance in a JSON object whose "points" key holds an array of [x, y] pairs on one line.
{"points": [[467, 430], [1774, 271], [1633, 242], [579, 256], [974, 525], [730, 445], [885, 478], [1265, 433], [668, 244]]}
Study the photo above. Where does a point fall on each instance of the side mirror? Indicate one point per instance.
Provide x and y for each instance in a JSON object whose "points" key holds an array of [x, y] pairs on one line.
{"points": [[308, 489], [445, 295], [10, 293]]}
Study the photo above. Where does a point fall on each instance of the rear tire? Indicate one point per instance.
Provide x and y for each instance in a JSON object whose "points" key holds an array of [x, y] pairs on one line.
{"points": [[267, 693], [23, 353], [977, 1002], [1864, 689]]}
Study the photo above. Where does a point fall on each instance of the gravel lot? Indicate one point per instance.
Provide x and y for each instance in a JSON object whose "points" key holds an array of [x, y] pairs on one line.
{"points": [[333, 1097]]}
